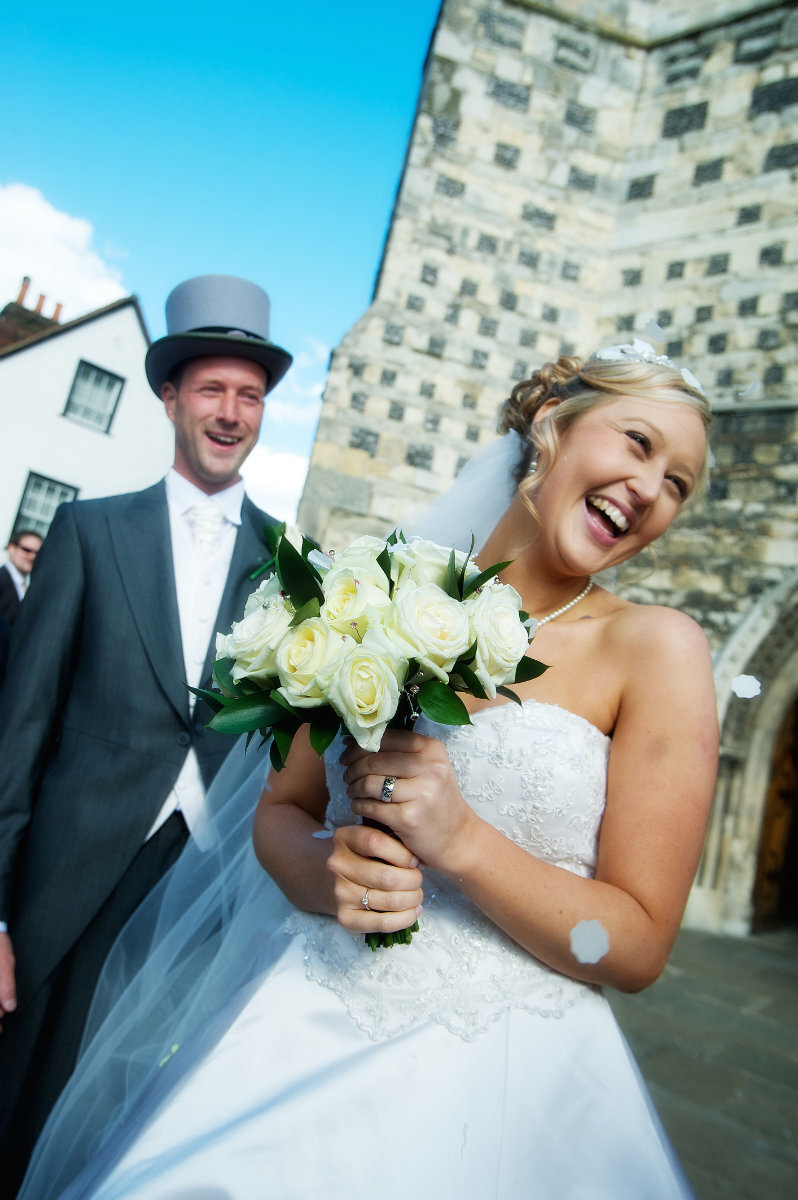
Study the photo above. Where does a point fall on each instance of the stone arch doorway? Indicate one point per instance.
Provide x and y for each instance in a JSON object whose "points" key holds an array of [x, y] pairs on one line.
{"points": [[743, 878], [775, 892]]}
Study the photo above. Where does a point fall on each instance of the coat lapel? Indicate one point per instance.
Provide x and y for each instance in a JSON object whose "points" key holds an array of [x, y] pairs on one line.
{"points": [[141, 533]]}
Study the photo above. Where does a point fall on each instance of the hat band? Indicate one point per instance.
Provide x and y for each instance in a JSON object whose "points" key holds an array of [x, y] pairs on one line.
{"points": [[223, 331]]}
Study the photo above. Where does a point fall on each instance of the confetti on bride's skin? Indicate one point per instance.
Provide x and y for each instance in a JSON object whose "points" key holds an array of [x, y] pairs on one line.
{"points": [[322, 833], [746, 686], [589, 941]]}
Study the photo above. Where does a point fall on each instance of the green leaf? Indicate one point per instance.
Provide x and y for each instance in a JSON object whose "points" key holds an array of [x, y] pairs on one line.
{"points": [[311, 609], [479, 580], [212, 699], [272, 535], [323, 729], [450, 578], [222, 674], [509, 693], [469, 678], [464, 568], [441, 704], [468, 657], [384, 562], [307, 545], [247, 713], [299, 714], [529, 668], [282, 737], [275, 756], [298, 577]]}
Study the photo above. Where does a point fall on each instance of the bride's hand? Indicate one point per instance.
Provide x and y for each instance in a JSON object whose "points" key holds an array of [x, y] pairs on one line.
{"points": [[377, 885], [427, 810]]}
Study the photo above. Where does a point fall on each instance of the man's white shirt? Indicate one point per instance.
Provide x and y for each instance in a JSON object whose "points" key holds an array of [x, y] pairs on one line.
{"points": [[200, 578], [19, 580]]}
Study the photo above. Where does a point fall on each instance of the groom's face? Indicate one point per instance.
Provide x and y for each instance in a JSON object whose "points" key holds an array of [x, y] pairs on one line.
{"points": [[216, 409]]}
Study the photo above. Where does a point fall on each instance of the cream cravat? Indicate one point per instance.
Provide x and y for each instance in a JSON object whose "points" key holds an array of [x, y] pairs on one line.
{"points": [[206, 521]]}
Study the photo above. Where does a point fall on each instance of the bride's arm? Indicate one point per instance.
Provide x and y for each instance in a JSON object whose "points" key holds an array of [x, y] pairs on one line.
{"points": [[331, 874], [661, 776]]}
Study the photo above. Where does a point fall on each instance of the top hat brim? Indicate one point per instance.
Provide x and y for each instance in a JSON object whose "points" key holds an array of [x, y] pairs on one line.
{"points": [[165, 354]]}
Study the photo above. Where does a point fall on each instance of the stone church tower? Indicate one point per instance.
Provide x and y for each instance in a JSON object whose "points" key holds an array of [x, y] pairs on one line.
{"points": [[581, 172]]}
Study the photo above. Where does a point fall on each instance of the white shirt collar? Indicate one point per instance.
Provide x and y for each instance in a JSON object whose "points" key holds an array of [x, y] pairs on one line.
{"points": [[16, 574], [183, 495]]}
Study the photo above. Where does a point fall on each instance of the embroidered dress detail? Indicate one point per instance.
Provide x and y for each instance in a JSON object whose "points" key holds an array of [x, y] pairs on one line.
{"points": [[537, 773]]}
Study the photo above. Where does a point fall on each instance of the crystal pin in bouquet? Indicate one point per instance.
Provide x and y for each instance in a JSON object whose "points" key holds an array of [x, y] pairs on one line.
{"points": [[366, 640]]}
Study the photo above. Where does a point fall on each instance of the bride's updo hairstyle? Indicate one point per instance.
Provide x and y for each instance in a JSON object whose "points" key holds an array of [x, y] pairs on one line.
{"points": [[580, 385]]}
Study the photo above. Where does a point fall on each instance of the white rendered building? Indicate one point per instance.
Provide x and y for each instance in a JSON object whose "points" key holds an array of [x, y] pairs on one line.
{"points": [[79, 418]]}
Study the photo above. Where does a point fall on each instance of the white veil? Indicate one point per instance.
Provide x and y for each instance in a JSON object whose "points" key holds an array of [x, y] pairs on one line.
{"points": [[190, 946], [476, 500], [212, 921]]}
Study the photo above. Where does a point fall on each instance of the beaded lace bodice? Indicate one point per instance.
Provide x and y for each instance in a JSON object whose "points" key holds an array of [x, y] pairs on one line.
{"points": [[536, 772]]}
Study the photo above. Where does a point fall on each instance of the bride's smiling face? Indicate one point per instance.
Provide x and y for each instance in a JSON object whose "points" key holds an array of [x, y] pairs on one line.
{"points": [[623, 471]]}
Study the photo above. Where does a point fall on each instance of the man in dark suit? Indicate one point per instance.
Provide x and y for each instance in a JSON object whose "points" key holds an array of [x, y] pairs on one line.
{"points": [[104, 761], [14, 574]]}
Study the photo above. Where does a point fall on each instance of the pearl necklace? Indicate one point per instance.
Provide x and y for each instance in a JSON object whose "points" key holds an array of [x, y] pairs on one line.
{"points": [[558, 612]]}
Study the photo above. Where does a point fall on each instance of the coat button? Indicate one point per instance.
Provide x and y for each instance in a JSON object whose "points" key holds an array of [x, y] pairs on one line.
{"points": [[184, 739]]}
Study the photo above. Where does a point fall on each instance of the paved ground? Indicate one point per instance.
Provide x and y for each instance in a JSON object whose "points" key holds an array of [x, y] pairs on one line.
{"points": [[717, 1041]]}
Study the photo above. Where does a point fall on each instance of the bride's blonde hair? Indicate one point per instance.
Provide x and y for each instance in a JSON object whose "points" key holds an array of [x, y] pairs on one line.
{"points": [[580, 385]]}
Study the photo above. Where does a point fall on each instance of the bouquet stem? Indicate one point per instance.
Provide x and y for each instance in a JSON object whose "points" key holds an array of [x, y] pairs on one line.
{"points": [[405, 718]]}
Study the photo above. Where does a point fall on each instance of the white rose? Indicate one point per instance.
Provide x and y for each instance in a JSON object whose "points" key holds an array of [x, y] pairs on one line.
{"points": [[501, 638], [351, 602], [253, 641], [365, 547], [269, 587], [306, 649], [420, 561], [363, 687], [361, 558], [426, 624]]}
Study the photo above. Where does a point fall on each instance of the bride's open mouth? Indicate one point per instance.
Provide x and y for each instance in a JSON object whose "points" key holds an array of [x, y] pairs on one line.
{"points": [[609, 514]]}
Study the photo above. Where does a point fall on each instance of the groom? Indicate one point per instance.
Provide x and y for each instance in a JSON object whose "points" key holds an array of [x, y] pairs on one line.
{"points": [[104, 761]]}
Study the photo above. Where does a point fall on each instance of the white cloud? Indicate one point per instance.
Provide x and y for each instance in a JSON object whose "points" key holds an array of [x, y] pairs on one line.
{"points": [[297, 399], [274, 480], [55, 250]]}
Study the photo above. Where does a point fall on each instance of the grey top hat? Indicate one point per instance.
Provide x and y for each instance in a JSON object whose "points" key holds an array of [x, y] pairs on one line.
{"points": [[212, 315]]}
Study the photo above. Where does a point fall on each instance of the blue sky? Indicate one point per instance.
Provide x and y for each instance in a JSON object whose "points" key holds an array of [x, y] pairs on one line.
{"points": [[149, 143]]}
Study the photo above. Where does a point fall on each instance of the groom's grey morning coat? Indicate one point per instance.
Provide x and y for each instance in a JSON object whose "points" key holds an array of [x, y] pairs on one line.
{"points": [[94, 723]]}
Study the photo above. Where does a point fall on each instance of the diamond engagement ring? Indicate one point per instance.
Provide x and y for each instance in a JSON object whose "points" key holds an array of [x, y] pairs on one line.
{"points": [[365, 900], [389, 784]]}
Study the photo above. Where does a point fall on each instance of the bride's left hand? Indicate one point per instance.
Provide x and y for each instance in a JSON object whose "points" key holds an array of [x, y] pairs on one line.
{"points": [[427, 810]]}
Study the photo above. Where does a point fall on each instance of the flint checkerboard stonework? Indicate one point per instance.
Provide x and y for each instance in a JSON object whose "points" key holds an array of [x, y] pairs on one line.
{"points": [[579, 173]]}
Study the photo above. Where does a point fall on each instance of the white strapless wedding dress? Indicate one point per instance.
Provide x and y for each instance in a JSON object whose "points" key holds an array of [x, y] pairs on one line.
{"points": [[457, 1068]]}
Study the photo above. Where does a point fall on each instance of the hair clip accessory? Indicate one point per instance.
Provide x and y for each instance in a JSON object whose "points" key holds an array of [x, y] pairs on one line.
{"points": [[640, 351]]}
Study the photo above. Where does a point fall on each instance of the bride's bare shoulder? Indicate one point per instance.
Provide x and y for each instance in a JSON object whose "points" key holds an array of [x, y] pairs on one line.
{"points": [[647, 633]]}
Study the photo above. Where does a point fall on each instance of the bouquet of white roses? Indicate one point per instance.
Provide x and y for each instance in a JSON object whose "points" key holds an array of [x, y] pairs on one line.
{"points": [[369, 638]]}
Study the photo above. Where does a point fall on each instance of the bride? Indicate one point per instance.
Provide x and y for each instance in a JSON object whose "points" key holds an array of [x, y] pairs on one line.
{"points": [[254, 1047]]}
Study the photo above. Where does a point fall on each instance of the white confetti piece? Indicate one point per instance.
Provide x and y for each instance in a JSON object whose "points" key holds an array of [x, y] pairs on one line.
{"points": [[746, 686], [653, 330], [589, 941]]}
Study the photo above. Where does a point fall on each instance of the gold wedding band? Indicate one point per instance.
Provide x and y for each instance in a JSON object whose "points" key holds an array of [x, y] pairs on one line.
{"points": [[386, 795], [365, 900]]}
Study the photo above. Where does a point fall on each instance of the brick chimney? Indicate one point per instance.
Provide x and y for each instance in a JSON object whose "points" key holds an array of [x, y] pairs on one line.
{"points": [[18, 323]]}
